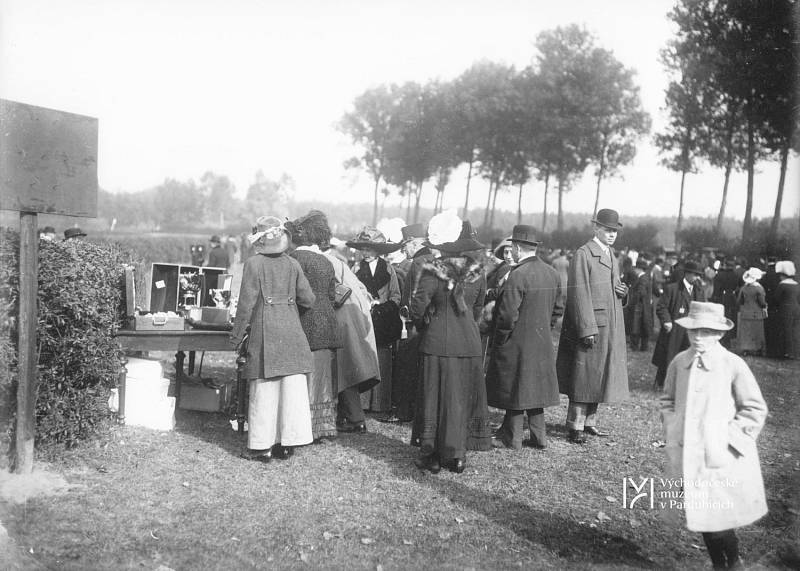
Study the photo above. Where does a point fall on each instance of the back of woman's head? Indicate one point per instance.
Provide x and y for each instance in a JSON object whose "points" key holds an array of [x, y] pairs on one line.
{"points": [[311, 229]]}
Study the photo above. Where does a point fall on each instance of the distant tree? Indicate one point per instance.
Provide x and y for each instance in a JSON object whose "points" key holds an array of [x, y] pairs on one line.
{"points": [[369, 126], [218, 191], [266, 196], [176, 203], [566, 80]]}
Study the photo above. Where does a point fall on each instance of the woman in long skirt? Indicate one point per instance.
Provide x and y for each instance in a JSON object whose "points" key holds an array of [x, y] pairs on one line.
{"points": [[445, 307], [380, 279], [787, 301], [278, 356], [752, 300], [319, 322]]}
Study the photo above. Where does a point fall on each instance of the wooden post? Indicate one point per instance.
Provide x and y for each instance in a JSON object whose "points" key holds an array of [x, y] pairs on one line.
{"points": [[27, 378]]}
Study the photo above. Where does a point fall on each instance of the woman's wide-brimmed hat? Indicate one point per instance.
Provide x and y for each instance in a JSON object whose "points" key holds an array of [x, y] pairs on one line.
{"points": [[752, 275], [705, 315], [270, 236], [370, 238], [448, 233], [785, 267], [498, 251], [608, 218]]}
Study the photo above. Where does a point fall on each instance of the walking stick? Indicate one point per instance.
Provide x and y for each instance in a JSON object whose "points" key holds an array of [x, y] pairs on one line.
{"points": [[241, 361]]}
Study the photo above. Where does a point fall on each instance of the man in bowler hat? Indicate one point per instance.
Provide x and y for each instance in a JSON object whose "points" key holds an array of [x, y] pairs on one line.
{"points": [[522, 369], [673, 305], [591, 362]]}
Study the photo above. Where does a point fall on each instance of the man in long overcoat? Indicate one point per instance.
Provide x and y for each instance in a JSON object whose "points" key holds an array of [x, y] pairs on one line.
{"points": [[522, 367], [674, 304], [640, 307], [591, 362]]}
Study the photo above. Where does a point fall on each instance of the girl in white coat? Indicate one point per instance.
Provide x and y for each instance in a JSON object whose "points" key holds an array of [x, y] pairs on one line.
{"points": [[712, 412]]}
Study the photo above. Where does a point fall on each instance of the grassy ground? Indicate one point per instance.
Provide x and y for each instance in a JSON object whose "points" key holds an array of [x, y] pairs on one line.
{"points": [[184, 500]]}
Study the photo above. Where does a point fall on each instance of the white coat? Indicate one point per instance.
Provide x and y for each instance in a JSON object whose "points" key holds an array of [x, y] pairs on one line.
{"points": [[712, 412]]}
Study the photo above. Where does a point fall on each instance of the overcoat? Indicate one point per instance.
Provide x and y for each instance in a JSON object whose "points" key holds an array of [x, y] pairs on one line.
{"points": [[673, 304], [600, 373], [712, 411], [272, 289], [640, 305], [522, 366], [357, 358]]}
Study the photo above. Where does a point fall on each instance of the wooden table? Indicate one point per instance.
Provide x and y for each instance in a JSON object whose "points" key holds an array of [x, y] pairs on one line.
{"points": [[190, 340]]}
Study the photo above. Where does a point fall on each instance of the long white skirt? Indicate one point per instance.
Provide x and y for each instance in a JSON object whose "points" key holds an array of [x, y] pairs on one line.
{"points": [[279, 412]]}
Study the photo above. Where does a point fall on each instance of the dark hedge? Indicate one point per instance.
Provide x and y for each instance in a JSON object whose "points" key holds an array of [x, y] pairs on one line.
{"points": [[81, 289]]}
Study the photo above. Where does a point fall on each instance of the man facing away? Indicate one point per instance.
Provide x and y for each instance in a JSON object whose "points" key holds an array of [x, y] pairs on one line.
{"points": [[591, 362], [522, 369]]}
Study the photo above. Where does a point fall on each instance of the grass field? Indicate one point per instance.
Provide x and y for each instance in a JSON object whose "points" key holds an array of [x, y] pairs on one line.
{"points": [[184, 500]]}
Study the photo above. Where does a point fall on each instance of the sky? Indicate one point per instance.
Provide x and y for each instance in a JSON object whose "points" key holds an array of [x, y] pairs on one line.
{"points": [[181, 87]]}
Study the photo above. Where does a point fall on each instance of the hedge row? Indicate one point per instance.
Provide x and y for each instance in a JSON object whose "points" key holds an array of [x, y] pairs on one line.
{"points": [[80, 307]]}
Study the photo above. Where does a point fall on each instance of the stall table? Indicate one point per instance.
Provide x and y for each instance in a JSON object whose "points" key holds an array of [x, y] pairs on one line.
{"points": [[190, 340]]}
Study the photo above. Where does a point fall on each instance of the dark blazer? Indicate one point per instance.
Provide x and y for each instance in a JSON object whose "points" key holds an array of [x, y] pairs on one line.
{"points": [[272, 289], [444, 331], [522, 366], [640, 305], [673, 304], [319, 321]]}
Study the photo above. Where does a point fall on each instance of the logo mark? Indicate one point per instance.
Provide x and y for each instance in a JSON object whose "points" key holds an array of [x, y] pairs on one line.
{"points": [[644, 490]]}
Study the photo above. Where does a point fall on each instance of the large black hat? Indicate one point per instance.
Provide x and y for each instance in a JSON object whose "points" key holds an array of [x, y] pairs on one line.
{"points": [[608, 218], [370, 238], [466, 241], [691, 267]]}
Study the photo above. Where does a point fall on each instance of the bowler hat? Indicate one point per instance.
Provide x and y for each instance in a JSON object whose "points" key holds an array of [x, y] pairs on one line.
{"points": [[524, 233], [465, 242], [608, 218], [215, 239], [73, 233], [705, 315], [642, 263], [270, 237], [370, 238], [413, 231], [692, 268]]}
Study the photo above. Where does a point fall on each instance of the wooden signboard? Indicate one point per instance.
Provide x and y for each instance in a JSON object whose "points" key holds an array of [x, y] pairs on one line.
{"points": [[48, 163], [48, 160]]}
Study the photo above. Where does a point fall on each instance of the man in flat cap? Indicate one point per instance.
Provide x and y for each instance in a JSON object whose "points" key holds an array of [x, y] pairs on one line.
{"points": [[522, 368], [592, 355]]}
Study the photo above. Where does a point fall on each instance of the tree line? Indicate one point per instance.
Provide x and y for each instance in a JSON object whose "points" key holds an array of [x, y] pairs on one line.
{"points": [[730, 103]]}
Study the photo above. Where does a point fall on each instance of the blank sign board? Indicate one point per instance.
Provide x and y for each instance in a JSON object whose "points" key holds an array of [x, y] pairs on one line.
{"points": [[48, 160]]}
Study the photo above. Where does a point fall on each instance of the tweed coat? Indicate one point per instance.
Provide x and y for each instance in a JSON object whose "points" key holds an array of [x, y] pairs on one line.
{"points": [[712, 411], [319, 322], [522, 366], [640, 305], [272, 289], [599, 373], [673, 304]]}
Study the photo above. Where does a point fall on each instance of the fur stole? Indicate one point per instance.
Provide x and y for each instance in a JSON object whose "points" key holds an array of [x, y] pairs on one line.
{"points": [[456, 273]]}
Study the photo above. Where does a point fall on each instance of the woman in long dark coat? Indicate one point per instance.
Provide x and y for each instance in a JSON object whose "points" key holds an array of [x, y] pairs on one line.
{"points": [[278, 357], [319, 322], [445, 307], [787, 301]]}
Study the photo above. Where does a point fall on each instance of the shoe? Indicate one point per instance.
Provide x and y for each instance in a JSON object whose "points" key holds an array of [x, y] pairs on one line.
{"points": [[576, 437], [534, 443], [282, 452], [347, 426], [457, 465], [262, 456], [391, 418], [594, 431], [430, 463], [498, 442]]}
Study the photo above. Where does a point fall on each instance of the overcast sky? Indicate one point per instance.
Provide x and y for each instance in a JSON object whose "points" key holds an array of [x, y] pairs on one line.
{"points": [[184, 86]]}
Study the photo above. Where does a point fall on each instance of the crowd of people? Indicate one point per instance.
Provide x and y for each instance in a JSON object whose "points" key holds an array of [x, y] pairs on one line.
{"points": [[427, 330]]}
